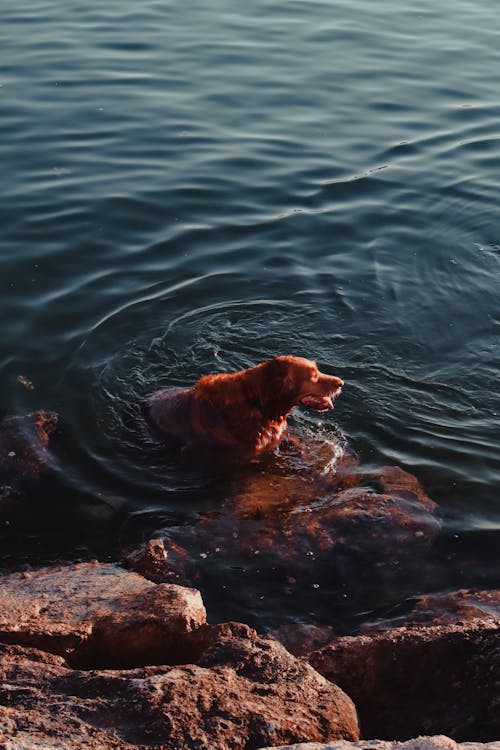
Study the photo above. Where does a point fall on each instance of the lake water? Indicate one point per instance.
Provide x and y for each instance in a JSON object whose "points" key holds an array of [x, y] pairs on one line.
{"points": [[194, 187]]}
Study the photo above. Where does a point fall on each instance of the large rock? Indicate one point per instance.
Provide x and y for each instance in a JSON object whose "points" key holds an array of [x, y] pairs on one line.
{"points": [[421, 680], [23, 449], [99, 615], [285, 545], [243, 692], [437, 742]]}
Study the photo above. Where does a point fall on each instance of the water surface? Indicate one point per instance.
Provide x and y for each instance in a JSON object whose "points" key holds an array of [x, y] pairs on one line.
{"points": [[192, 187]]}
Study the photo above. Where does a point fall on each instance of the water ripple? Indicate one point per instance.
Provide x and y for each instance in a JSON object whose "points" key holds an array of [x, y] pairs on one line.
{"points": [[197, 186]]}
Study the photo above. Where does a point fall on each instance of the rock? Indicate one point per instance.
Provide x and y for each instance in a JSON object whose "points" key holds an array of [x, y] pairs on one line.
{"points": [[438, 742], [23, 448], [396, 521], [302, 638], [150, 560], [421, 680], [37, 710], [307, 706], [99, 615], [244, 692], [282, 546], [442, 608], [229, 688], [454, 606]]}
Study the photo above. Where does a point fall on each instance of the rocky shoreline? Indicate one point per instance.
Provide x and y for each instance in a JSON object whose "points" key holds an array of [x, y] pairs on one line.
{"points": [[100, 655], [93, 655]]}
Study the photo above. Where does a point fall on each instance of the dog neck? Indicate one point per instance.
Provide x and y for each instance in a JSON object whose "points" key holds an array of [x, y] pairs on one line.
{"points": [[247, 387]]}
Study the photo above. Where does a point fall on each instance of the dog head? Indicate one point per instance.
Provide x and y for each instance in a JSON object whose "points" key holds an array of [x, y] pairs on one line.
{"points": [[288, 381]]}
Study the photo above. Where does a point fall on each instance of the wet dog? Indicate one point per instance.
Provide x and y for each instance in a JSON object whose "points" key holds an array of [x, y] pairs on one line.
{"points": [[244, 411]]}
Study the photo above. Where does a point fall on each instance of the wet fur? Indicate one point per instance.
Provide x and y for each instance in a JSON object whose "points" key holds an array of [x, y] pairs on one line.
{"points": [[245, 411]]}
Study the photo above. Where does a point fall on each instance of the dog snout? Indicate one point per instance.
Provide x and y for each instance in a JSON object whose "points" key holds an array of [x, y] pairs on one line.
{"points": [[333, 382]]}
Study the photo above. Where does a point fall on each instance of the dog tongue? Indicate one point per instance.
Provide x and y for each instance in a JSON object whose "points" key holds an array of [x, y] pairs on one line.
{"points": [[318, 403]]}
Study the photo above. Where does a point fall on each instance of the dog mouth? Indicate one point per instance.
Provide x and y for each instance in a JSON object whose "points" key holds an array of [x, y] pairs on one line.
{"points": [[320, 403]]}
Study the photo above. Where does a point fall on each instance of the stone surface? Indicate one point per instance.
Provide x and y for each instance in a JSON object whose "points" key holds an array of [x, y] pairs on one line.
{"points": [[284, 545], [243, 692], [442, 608], [302, 638], [464, 604], [98, 615], [23, 449], [150, 560], [437, 742], [421, 680]]}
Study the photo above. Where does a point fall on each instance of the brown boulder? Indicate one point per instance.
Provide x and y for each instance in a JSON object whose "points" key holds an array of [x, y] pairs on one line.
{"points": [[99, 615], [244, 692], [397, 520], [421, 680], [282, 546]]}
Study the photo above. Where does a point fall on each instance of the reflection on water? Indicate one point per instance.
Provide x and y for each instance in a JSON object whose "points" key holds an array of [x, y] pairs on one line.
{"points": [[194, 189]]}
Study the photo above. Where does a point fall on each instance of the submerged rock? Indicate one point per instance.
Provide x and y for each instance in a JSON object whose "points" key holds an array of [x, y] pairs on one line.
{"points": [[284, 545], [442, 608], [421, 680], [23, 448]]}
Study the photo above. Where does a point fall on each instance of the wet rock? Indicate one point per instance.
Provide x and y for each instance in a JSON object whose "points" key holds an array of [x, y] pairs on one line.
{"points": [[99, 615], [442, 608], [150, 560], [23, 449], [421, 680], [244, 692], [301, 638], [454, 606], [284, 540], [437, 742], [397, 520]]}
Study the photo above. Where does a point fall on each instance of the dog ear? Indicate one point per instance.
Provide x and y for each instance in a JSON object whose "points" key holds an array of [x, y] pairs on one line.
{"points": [[277, 382], [286, 373]]}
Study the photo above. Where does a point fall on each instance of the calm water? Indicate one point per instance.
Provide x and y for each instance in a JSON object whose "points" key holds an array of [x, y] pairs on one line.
{"points": [[190, 187]]}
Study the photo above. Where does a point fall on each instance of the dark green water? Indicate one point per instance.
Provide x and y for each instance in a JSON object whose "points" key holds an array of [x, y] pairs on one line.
{"points": [[190, 187]]}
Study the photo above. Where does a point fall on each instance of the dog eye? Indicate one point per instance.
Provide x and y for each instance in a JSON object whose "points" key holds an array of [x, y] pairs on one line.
{"points": [[313, 376]]}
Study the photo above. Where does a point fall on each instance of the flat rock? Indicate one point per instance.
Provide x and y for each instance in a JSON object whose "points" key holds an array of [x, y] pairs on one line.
{"points": [[421, 680], [99, 615], [244, 692], [437, 742]]}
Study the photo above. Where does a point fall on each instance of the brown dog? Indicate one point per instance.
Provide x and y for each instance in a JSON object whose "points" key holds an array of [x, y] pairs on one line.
{"points": [[244, 411]]}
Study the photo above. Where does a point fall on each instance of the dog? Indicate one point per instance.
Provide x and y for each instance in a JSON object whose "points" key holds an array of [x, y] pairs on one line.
{"points": [[246, 411]]}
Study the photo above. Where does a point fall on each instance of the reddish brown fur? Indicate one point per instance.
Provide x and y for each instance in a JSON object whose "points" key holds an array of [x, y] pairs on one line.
{"points": [[244, 410]]}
